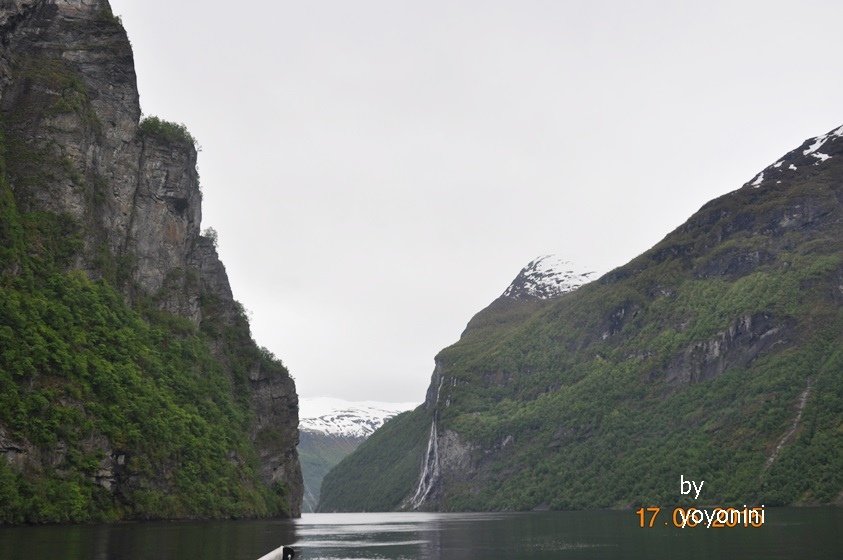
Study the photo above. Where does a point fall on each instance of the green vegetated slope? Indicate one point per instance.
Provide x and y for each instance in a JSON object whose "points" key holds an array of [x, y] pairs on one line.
{"points": [[382, 470], [79, 368], [694, 359], [319, 453]]}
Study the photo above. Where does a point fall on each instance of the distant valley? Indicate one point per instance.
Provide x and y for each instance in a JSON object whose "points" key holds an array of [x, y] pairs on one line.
{"points": [[330, 429]]}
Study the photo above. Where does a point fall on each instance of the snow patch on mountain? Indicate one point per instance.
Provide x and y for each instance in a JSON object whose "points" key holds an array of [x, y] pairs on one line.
{"points": [[547, 277], [819, 141], [341, 418], [806, 154]]}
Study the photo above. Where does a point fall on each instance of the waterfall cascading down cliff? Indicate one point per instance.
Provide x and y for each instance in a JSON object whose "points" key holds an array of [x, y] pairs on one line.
{"points": [[430, 467]]}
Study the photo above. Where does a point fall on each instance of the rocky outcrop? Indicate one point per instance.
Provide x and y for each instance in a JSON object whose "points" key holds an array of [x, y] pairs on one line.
{"points": [[71, 110], [13, 451], [744, 340], [76, 147], [166, 211], [276, 429]]}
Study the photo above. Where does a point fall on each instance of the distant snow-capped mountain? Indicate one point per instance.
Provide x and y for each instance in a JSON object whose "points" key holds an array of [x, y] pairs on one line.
{"points": [[332, 428], [547, 277], [337, 417]]}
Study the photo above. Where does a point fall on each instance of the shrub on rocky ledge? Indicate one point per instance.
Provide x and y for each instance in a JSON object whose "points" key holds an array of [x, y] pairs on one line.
{"points": [[166, 130]]}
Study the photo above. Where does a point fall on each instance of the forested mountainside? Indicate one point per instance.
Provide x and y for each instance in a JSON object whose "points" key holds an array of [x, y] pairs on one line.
{"points": [[717, 355], [130, 386]]}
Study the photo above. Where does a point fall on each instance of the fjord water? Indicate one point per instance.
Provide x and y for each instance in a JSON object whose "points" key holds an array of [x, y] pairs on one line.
{"points": [[788, 533]]}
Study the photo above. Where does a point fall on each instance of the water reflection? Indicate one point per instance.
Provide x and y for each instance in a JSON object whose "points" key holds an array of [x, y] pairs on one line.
{"points": [[788, 533], [458, 536], [562, 535], [216, 540]]}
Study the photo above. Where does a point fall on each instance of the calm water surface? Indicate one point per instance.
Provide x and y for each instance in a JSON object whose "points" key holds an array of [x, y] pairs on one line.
{"points": [[788, 533]]}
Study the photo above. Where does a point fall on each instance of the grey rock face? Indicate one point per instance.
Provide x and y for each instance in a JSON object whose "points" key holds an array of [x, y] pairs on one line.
{"points": [[164, 220], [457, 456], [744, 340], [70, 107], [13, 451], [276, 428], [70, 101]]}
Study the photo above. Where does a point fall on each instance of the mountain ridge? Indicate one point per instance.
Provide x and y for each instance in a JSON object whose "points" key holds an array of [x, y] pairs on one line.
{"points": [[693, 357], [344, 418]]}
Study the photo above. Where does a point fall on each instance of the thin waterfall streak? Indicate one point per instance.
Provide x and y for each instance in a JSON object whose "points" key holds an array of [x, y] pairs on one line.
{"points": [[430, 468]]}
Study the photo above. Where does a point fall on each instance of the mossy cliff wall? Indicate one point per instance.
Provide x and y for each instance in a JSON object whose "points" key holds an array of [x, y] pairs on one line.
{"points": [[130, 386]]}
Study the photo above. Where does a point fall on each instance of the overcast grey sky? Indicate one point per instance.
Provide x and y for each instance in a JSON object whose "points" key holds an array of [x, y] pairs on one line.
{"points": [[379, 171]]}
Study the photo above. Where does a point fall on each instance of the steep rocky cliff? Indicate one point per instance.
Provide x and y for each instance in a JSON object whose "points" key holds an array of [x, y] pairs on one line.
{"points": [[88, 186], [717, 352]]}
